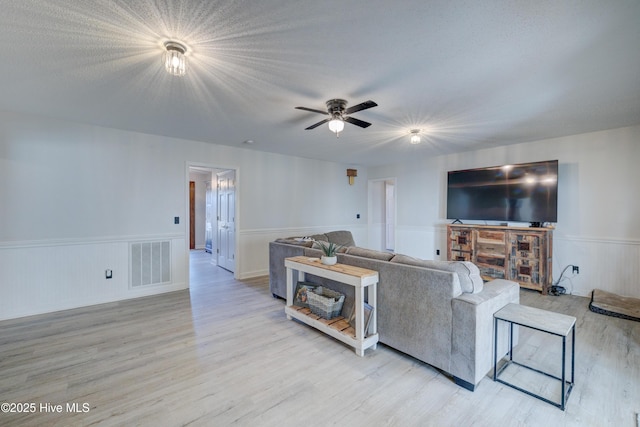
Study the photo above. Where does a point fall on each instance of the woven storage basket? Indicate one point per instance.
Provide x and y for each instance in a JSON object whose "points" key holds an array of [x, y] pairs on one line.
{"points": [[325, 303]]}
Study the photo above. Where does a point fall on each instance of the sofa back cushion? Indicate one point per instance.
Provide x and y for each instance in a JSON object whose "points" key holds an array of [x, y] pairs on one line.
{"points": [[312, 252], [296, 241], [468, 272], [322, 245], [341, 237], [322, 237], [369, 253]]}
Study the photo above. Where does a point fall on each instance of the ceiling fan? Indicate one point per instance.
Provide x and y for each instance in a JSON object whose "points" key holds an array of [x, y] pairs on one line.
{"points": [[337, 109]]}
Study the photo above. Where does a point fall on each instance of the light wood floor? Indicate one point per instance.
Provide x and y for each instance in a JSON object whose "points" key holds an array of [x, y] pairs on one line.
{"points": [[223, 353]]}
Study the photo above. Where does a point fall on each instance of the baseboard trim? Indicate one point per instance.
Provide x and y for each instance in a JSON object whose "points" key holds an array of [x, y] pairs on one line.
{"points": [[253, 274]]}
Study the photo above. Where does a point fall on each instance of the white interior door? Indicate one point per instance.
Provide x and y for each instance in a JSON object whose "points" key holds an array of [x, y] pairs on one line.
{"points": [[227, 220]]}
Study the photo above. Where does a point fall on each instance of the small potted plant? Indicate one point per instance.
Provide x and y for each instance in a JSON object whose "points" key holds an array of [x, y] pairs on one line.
{"points": [[329, 251]]}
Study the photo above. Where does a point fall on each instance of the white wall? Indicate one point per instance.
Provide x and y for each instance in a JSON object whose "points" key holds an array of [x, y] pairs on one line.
{"points": [[73, 196], [598, 225]]}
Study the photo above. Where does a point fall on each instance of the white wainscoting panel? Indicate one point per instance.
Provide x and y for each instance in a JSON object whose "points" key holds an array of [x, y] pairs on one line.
{"points": [[420, 242], [375, 236], [609, 265], [41, 277], [254, 245]]}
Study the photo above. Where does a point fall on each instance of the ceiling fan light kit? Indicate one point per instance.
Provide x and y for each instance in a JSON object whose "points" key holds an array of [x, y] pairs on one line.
{"points": [[174, 58], [336, 126], [339, 114]]}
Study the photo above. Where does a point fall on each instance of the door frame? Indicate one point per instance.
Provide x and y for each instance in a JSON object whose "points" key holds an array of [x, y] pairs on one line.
{"points": [[192, 215], [186, 225]]}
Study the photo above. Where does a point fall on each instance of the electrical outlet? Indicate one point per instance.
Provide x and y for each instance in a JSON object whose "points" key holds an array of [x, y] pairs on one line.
{"points": [[108, 274], [576, 269], [437, 251]]}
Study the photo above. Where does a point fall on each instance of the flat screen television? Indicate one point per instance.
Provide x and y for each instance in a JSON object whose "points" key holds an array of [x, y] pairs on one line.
{"points": [[526, 192]]}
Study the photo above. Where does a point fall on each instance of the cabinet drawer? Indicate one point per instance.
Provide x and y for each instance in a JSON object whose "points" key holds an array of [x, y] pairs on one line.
{"points": [[490, 248], [491, 237], [460, 256], [491, 266], [490, 261], [490, 273]]}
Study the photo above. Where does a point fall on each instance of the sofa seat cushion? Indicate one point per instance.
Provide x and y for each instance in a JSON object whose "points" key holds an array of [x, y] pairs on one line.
{"points": [[468, 272], [369, 253]]}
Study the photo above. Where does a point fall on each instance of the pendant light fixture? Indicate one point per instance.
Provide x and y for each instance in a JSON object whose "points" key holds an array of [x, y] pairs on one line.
{"points": [[174, 58]]}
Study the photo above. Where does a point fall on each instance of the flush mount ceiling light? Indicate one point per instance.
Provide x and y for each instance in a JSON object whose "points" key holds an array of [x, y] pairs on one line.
{"points": [[174, 58], [415, 136]]}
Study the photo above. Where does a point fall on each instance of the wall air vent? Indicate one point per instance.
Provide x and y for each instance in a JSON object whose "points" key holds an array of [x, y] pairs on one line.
{"points": [[150, 263]]}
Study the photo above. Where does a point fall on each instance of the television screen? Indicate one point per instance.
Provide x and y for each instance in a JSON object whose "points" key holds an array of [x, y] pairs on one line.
{"points": [[525, 192]]}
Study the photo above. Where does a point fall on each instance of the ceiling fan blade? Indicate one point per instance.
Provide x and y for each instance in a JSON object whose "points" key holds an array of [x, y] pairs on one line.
{"points": [[312, 110], [317, 124], [360, 107], [357, 122]]}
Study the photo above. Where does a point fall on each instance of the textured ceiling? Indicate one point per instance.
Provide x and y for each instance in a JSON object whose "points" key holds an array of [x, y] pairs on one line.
{"points": [[470, 74]]}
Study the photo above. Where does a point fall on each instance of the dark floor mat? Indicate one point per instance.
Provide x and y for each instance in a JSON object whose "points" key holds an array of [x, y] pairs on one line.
{"points": [[603, 302]]}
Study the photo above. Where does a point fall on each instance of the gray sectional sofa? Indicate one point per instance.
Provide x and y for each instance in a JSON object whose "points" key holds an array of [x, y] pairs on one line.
{"points": [[439, 312]]}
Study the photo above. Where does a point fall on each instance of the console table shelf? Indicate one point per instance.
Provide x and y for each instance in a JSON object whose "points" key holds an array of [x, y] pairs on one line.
{"points": [[337, 327]]}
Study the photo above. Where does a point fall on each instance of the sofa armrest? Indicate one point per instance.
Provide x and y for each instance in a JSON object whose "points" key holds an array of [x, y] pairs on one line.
{"points": [[277, 272], [472, 333]]}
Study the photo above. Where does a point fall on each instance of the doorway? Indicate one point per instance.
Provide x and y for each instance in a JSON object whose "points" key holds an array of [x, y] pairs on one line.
{"points": [[211, 216], [382, 214]]}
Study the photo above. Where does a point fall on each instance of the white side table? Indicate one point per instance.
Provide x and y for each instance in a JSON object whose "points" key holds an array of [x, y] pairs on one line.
{"points": [[541, 320]]}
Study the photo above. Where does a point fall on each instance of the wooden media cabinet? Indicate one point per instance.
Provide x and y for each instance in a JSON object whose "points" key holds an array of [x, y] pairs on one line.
{"points": [[521, 254]]}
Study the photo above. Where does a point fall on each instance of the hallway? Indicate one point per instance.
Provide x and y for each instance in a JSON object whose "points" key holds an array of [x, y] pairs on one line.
{"points": [[203, 272]]}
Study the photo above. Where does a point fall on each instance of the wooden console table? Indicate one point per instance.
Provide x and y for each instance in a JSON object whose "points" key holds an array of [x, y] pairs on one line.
{"points": [[359, 278]]}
